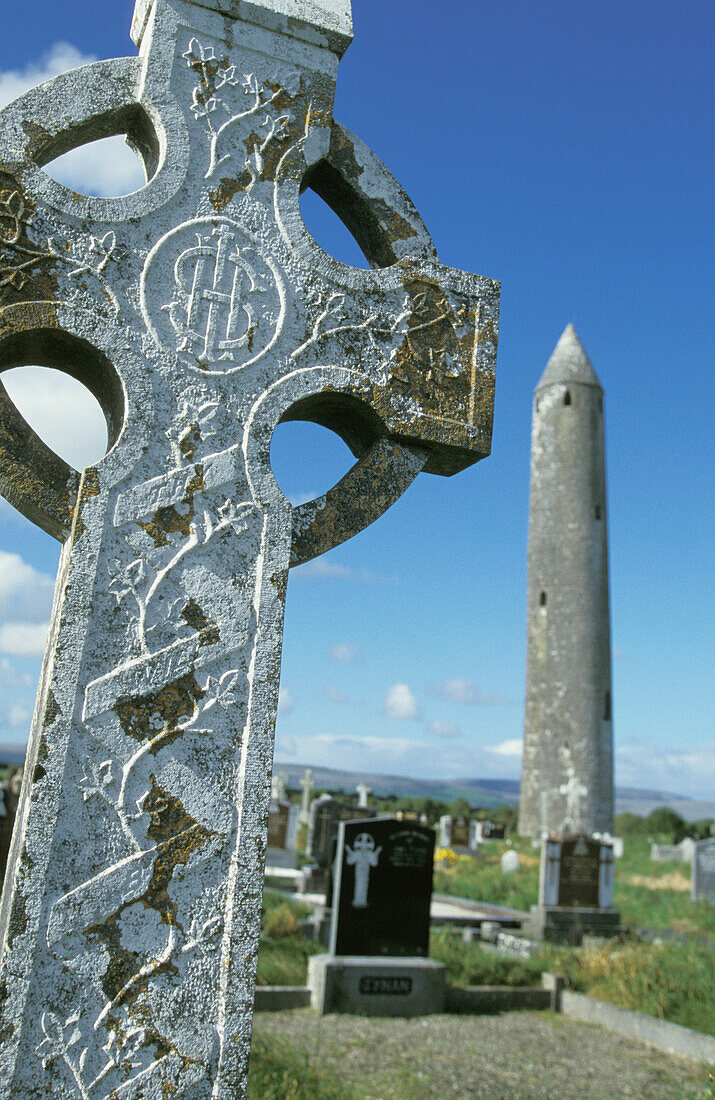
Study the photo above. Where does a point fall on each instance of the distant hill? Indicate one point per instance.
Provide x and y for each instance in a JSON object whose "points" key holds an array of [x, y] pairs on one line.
{"points": [[12, 754], [479, 792], [485, 792]]}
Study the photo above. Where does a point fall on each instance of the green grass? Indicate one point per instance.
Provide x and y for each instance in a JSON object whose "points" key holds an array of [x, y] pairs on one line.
{"points": [[279, 1072], [283, 953], [482, 879], [670, 981], [640, 905]]}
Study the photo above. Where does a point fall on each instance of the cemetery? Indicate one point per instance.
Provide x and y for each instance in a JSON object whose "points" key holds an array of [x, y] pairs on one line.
{"points": [[181, 914]]}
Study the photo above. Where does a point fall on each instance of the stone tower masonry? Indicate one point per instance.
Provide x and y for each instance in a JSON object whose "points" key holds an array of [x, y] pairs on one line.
{"points": [[567, 773]]}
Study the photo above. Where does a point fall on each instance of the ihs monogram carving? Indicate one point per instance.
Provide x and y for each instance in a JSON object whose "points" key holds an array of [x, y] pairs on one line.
{"points": [[229, 299]]}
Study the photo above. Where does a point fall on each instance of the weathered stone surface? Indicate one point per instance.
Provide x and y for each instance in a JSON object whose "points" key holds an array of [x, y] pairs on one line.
{"points": [[567, 771], [200, 313]]}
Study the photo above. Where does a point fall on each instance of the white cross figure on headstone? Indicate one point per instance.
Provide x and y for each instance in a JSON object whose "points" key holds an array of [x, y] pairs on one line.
{"points": [[201, 314], [362, 792], [363, 855], [574, 792]]}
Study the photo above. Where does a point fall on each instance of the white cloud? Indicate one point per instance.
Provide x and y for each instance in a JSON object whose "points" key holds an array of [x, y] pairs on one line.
{"points": [[389, 748], [297, 499], [57, 60], [332, 570], [106, 167], [444, 729], [514, 747], [458, 690], [19, 715], [401, 703], [334, 695], [345, 653], [689, 771], [10, 676], [62, 412], [23, 639], [286, 702], [25, 593]]}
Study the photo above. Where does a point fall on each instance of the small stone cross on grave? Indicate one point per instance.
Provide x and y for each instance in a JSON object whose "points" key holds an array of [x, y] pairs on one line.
{"points": [[201, 313], [307, 785], [362, 792]]}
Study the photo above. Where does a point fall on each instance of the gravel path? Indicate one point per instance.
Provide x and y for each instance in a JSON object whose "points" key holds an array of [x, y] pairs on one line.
{"points": [[512, 1056]]}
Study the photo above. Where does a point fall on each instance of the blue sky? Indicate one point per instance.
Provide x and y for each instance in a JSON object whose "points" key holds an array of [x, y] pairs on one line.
{"points": [[565, 149]]}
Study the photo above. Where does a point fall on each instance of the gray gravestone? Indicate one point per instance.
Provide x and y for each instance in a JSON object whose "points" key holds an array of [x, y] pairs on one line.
{"points": [[278, 824], [382, 888], [703, 873], [200, 313], [576, 882]]}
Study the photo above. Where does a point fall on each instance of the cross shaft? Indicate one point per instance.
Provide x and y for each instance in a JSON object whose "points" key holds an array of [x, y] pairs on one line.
{"points": [[201, 313]]}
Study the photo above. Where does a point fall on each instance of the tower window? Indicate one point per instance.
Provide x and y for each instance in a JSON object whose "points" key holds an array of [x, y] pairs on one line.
{"points": [[607, 707], [542, 600], [567, 398], [597, 511]]}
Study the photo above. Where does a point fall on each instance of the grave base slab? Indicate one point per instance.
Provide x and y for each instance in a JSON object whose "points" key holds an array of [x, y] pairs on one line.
{"points": [[562, 924], [363, 985]]}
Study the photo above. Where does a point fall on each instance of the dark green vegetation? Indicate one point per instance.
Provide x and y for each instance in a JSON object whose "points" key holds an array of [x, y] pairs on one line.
{"points": [[283, 954], [413, 804], [670, 981]]}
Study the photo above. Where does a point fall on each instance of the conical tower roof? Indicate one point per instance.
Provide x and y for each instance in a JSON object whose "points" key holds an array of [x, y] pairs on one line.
{"points": [[569, 363]]}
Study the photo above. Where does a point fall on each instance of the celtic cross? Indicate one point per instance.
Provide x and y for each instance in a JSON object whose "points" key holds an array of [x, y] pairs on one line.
{"points": [[201, 313]]}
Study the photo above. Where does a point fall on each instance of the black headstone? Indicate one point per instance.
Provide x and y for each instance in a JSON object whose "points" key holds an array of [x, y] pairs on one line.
{"points": [[325, 816], [382, 888], [579, 871]]}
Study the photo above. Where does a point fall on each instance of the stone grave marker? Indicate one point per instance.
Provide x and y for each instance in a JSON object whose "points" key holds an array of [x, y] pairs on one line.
{"points": [[326, 813], [703, 872], [282, 834], [278, 824], [362, 792], [575, 889], [382, 888], [200, 313], [579, 872], [457, 832], [510, 862], [307, 785]]}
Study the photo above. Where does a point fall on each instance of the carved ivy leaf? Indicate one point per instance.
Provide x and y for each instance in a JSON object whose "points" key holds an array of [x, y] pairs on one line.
{"points": [[12, 210], [94, 779]]}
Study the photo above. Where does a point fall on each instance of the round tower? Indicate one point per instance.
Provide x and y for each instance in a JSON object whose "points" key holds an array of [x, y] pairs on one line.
{"points": [[567, 772]]}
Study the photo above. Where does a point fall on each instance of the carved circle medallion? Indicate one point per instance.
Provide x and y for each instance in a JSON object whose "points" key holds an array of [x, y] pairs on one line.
{"points": [[211, 296]]}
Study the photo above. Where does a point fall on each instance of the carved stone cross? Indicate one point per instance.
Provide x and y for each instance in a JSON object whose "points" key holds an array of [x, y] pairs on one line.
{"points": [[201, 313], [362, 792]]}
